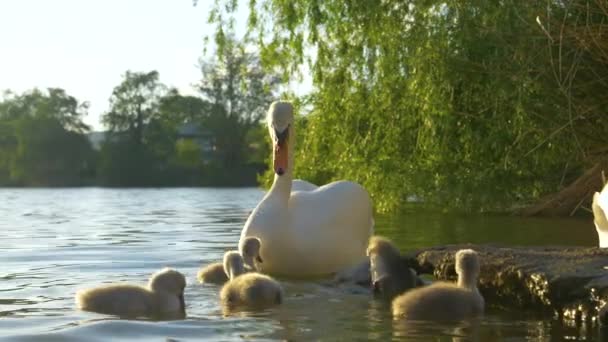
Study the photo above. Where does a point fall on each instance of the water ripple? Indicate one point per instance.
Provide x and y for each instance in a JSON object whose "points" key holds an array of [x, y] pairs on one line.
{"points": [[57, 241]]}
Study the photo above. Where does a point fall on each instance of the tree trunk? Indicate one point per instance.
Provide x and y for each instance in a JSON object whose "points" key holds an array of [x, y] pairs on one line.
{"points": [[567, 201]]}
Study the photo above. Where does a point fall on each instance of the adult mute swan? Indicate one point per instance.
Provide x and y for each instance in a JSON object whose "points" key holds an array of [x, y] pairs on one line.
{"points": [[600, 208], [163, 295], [443, 301], [307, 231]]}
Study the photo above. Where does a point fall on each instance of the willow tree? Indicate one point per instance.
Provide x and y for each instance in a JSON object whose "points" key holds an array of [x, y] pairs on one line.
{"points": [[460, 103]]}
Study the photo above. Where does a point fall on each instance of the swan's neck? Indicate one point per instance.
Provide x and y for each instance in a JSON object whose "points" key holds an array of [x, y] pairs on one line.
{"points": [[602, 234], [281, 187]]}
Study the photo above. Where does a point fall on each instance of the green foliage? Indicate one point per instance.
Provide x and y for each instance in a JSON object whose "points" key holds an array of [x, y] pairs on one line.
{"points": [[188, 153], [175, 108], [133, 104], [164, 138], [126, 159], [464, 104], [49, 155], [239, 91], [42, 141], [54, 103], [8, 148], [124, 163]]}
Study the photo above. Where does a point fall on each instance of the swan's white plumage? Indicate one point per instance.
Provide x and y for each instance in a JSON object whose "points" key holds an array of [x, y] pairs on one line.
{"points": [[600, 209], [302, 185], [308, 230]]}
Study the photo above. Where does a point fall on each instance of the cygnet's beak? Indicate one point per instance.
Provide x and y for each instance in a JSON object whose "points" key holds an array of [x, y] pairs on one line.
{"points": [[377, 284], [259, 259]]}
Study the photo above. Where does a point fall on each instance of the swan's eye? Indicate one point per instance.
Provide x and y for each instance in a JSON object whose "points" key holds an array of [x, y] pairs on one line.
{"points": [[281, 137]]}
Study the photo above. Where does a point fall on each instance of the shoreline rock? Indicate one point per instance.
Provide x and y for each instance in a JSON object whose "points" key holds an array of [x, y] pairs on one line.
{"points": [[571, 282]]}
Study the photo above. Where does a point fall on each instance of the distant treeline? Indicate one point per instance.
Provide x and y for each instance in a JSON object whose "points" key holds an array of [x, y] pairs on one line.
{"points": [[155, 136]]}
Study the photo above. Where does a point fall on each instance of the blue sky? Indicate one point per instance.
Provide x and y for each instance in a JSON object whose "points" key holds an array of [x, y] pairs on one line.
{"points": [[85, 46]]}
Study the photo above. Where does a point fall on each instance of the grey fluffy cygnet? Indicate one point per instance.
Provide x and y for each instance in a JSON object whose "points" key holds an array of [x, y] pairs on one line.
{"points": [[390, 275], [215, 274], [212, 274], [248, 290], [163, 295], [444, 301]]}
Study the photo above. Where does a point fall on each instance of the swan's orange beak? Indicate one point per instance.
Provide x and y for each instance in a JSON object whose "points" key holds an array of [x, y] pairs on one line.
{"points": [[280, 159], [281, 152]]}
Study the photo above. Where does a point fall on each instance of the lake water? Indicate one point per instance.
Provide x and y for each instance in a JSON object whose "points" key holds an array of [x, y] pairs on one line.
{"points": [[55, 241]]}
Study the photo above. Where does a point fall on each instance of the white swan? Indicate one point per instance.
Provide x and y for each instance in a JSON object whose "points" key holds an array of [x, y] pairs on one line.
{"points": [[307, 230], [600, 207]]}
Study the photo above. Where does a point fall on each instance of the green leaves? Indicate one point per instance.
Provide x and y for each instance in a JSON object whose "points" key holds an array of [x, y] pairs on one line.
{"points": [[133, 103], [453, 102], [42, 141], [239, 90]]}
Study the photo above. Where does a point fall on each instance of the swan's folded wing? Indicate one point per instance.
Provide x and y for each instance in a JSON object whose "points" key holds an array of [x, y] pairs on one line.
{"points": [[603, 199], [302, 185]]}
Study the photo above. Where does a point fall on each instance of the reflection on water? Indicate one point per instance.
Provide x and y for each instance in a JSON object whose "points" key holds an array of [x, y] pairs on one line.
{"points": [[56, 241]]}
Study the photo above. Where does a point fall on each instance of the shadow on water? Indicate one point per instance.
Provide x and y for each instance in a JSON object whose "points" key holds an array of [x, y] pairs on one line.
{"points": [[61, 240], [417, 229]]}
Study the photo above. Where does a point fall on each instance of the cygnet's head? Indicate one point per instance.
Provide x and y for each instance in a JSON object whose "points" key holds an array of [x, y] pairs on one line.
{"points": [[169, 281], [382, 253], [380, 247], [250, 251], [280, 120], [233, 264], [467, 263]]}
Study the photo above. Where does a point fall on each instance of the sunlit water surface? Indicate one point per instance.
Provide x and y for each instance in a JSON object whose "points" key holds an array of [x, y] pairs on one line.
{"points": [[55, 241]]}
